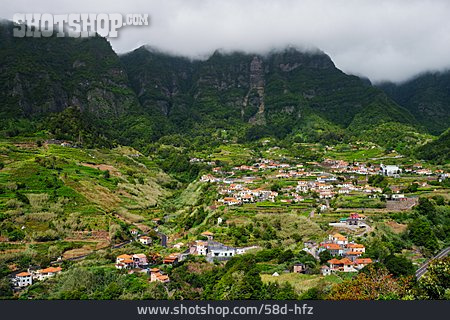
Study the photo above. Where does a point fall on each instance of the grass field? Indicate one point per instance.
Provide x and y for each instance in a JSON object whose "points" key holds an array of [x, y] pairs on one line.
{"points": [[302, 282]]}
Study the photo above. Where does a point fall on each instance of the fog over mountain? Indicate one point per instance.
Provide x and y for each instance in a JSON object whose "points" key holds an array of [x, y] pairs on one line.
{"points": [[382, 40]]}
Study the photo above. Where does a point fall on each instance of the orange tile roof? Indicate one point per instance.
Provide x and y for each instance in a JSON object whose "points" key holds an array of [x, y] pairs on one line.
{"points": [[355, 245], [363, 261], [332, 246], [334, 261], [230, 199], [124, 256], [346, 261], [50, 270], [339, 236], [154, 270], [23, 274], [208, 233], [354, 253]]}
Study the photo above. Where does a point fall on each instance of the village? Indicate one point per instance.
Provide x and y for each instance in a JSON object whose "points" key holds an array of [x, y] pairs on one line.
{"points": [[339, 197], [246, 184]]}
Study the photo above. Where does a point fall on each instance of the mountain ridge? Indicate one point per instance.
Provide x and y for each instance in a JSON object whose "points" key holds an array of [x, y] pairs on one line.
{"points": [[145, 95]]}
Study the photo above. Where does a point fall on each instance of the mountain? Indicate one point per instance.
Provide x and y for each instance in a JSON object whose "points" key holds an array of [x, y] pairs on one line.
{"points": [[427, 97], [277, 93], [80, 89], [438, 150], [54, 80], [41, 75]]}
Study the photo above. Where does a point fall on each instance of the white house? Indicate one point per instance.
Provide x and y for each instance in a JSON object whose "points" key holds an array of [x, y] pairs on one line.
{"points": [[245, 249], [145, 240], [390, 170], [201, 248], [46, 273], [338, 238], [139, 259], [325, 270], [23, 279]]}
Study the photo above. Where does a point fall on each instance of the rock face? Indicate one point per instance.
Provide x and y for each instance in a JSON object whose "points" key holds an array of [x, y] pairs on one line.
{"points": [[276, 90], [146, 94], [257, 85], [42, 75]]}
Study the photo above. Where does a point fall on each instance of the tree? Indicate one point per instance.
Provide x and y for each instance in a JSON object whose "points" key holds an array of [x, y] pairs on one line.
{"points": [[399, 266], [285, 256], [375, 283], [106, 174], [422, 234], [425, 207], [5, 288], [435, 283], [324, 256]]}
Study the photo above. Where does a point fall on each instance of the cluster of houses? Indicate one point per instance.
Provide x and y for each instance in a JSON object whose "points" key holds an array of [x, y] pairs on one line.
{"points": [[61, 143], [354, 219], [140, 262], [214, 250], [326, 186], [24, 279], [237, 194], [234, 192], [341, 166], [351, 252], [134, 261]]}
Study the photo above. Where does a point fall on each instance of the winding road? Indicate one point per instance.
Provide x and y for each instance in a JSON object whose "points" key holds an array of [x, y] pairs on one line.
{"points": [[423, 269]]}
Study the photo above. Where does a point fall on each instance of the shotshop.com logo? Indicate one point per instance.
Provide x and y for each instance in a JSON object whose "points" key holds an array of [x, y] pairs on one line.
{"points": [[75, 25]]}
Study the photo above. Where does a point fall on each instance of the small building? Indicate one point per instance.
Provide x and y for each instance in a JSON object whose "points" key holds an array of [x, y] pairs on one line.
{"points": [[325, 270], [122, 257], [46, 273], [201, 248], [178, 245], [390, 170], [356, 247], [397, 196], [230, 201], [140, 260], [299, 268], [171, 259], [362, 262], [334, 248], [220, 251], [158, 221], [344, 265], [124, 261], [157, 276], [209, 235], [145, 240], [338, 238], [23, 279]]}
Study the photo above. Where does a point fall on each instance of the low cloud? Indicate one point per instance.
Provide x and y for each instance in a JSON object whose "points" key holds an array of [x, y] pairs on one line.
{"points": [[382, 40]]}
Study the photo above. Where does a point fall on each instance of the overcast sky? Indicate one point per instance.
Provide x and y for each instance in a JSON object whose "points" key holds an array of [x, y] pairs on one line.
{"points": [[382, 40]]}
